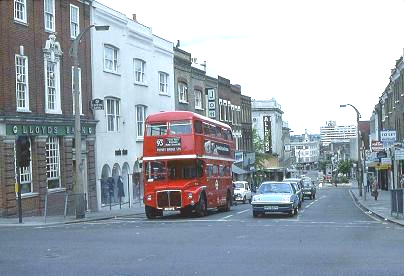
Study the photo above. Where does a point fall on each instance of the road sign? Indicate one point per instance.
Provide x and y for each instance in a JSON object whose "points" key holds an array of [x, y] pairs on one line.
{"points": [[399, 154]]}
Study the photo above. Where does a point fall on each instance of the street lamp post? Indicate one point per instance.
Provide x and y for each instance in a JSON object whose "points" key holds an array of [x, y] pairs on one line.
{"points": [[74, 49], [359, 176]]}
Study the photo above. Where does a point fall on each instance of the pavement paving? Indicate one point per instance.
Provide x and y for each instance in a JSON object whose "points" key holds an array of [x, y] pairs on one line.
{"points": [[136, 209], [380, 207]]}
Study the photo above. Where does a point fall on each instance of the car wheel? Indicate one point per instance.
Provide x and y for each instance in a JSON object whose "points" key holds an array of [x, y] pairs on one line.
{"points": [[255, 214], [292, 213]]}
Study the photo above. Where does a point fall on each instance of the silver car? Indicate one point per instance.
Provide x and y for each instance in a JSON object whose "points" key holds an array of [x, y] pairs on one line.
{"points": [[275, 197]]}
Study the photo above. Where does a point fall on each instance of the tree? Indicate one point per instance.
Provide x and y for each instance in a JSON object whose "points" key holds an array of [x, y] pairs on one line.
{"points": [[344, 166], [259, 146]]}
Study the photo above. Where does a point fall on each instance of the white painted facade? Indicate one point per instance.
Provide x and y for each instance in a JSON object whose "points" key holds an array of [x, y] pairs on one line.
{"points": [[261, 108], [118, 150], [332, 132]]}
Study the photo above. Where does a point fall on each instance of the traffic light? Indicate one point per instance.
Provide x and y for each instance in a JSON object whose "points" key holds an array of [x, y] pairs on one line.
{"points": [[23, 151]]}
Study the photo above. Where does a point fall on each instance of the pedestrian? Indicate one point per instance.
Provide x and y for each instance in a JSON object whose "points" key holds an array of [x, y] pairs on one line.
{"points": [[402, 181], [375, 187], [368, 185]]}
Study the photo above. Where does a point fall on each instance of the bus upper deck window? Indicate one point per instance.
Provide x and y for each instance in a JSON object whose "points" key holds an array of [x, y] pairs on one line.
{"points": [[198, 127], [206, 129], [156, 129], [181, 127]]}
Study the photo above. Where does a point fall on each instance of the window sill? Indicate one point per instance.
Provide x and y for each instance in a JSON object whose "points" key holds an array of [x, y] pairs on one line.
{"points": [[27, 195], [21, 22], [140, 83], [53, 111], [24, 111], [164, 94], [183, 102], [56, 190], [49, 31], [199, 108], [140, 139], [111, 72]]}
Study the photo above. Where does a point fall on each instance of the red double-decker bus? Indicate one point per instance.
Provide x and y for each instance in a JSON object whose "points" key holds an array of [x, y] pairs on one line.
{"points": [[187, 162]]}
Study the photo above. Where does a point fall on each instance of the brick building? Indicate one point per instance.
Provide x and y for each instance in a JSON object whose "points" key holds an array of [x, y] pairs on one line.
{"points": [[218, 99], [36, 100], [189, 83]]}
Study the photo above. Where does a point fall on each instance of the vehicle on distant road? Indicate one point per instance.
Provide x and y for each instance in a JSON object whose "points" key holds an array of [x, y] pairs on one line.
{"points": [[242, 191], [275, 197], [309, 189]]}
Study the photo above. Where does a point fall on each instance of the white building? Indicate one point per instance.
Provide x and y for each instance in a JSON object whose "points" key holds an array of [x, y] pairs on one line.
{"points": [[132, 76], [261, 109], [332, 132], [306, 152]]}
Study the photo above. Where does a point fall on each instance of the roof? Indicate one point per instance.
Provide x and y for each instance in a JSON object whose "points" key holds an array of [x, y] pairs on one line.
{"points": [[181, 115], [237, 170]]}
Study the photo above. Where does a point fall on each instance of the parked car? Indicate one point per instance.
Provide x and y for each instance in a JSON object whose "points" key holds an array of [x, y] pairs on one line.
{"points": [[275, 197], [242, 191], [309, 189], [298, 186]]}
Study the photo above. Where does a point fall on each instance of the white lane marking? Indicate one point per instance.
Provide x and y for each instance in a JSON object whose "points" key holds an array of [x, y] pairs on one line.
{"points": [[243, 211], [226, 217]]}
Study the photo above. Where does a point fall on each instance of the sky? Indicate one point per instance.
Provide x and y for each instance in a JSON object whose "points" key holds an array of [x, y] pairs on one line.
{"points": [[310, 55]]}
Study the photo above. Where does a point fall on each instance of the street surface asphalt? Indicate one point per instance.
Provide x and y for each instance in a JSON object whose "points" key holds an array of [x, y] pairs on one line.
{"points": [[330, 236]]}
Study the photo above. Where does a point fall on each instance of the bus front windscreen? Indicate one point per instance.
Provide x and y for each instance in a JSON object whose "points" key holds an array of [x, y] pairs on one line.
{"points": [[156, 129]]}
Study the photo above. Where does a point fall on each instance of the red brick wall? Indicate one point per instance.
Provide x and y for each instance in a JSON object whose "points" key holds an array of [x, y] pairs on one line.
{"points": [[33, 37]]}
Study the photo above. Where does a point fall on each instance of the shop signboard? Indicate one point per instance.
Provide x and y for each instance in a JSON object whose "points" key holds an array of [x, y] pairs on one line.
{"points": [[376, 146], [388, 137], [399, 154]]}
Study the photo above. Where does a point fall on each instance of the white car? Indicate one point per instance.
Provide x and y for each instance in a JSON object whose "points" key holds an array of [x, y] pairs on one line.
{"points": [[242, 191]]}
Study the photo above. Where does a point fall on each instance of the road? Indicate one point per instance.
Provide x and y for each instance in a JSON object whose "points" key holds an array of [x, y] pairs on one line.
{"points": [[330, 236]]}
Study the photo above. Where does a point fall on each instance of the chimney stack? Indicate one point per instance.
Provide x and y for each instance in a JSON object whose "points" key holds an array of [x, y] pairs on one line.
{"points": [[134, 17]]}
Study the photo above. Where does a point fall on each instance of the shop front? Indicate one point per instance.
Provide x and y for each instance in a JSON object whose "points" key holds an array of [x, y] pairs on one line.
{"points": [[47, 182]]}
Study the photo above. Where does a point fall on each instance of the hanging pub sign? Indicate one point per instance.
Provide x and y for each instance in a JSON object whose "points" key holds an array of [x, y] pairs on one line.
{"points": [[211, 103], [376, 146], [97, 104], [168, 144]]}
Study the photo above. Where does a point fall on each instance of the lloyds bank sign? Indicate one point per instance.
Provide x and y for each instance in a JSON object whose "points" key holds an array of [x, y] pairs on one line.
{"points": [[44, 129]]}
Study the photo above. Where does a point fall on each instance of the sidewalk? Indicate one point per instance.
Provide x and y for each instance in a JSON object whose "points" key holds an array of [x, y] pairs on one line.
{"points": [[380, 207], [136, 209]]}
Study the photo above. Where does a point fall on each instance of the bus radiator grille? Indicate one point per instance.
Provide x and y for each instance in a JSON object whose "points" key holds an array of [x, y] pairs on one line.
{"points": [[169, 199]]}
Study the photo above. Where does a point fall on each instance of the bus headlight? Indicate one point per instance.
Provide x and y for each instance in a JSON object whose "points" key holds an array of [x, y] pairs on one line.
{"points": [[149, 197], [190, 195]]}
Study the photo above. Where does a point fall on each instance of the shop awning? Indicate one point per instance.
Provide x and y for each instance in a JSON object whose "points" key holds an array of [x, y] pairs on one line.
{"points": [[237, 170]]}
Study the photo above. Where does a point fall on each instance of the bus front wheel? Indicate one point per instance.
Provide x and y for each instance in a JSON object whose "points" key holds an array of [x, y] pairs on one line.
{"points": [[151, 212]]}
